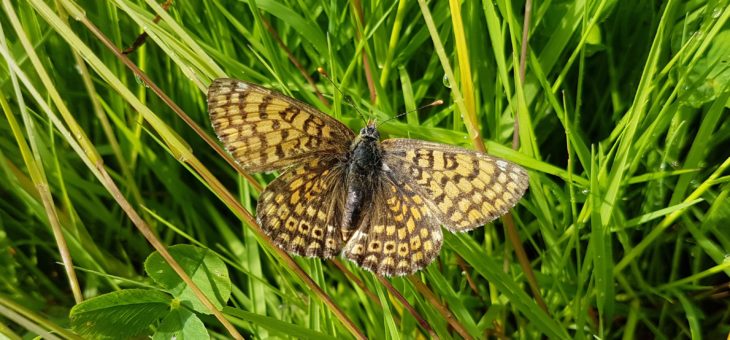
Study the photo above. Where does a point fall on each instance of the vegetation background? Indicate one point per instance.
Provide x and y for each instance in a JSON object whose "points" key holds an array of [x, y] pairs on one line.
{"points": [[623, 125]]}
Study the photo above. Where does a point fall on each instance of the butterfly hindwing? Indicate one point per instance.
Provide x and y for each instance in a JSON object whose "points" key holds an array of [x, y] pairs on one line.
{"points": [[265, 130], [397, 234], [301, 209], [465, 189]]}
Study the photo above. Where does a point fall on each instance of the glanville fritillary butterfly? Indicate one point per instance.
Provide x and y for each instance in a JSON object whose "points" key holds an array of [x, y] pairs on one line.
{"points": [[380, 204]]}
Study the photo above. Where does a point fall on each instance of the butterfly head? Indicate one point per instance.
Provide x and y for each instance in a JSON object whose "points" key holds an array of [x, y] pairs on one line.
{"points": [[370, 131]]}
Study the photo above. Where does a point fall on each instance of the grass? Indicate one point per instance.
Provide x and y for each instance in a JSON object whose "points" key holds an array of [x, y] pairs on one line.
{"points": [[623, 126]]}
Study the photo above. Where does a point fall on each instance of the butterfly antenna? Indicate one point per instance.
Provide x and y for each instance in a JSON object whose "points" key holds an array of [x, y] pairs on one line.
{"points": [[347, 98], [436, 102]]}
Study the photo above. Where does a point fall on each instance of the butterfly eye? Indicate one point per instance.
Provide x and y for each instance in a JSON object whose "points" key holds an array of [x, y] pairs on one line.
{"points": [[362, 131]]}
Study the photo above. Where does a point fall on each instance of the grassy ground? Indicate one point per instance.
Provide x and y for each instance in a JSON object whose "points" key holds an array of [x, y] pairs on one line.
{"points": [[623, 125]]}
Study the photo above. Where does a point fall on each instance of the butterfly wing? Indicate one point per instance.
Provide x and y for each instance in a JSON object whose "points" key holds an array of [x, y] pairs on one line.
{"points": [[397, 234], [265, 130], [301, 210], [465, 189]]}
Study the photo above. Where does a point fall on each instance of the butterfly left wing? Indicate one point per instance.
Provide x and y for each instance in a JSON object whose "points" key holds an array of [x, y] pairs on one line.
{"points": [[301, 210], [397, 233], [265, 130], [464, 189]]}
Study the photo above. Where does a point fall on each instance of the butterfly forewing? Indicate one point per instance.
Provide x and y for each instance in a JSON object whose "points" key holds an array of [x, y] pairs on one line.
{"points": [[465, 189], [265, 130], [301, 209], [398, 233]]}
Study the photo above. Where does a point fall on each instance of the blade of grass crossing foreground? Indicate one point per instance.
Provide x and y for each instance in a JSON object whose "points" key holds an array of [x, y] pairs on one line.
{"points": [[394, 37], [33, 161], [277, 326], [706, 244], [252, 260], [391, 330], [449, 73], [492, 271], [493, 22], [636, 114], [704, 134], [408, 99], [701, 141], [454, 302], [693, 315], [602, 258], [466, 83]]}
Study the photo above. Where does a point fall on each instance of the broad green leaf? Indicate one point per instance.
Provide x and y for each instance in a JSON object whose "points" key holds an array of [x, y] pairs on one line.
{"points": [[121, 314], [205, 268], [181, 324]]}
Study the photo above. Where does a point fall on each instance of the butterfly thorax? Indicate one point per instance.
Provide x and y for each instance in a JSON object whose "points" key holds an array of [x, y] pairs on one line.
{"points": [[363, 166], [365, 153]]}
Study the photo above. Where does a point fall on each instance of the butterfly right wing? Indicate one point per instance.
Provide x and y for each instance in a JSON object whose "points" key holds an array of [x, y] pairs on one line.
{"points": [[464, 188], [398, 233], [265, 130], [301, 210]]}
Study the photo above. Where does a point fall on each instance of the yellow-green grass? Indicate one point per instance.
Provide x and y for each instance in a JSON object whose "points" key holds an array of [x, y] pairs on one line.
{"points": [[623, 125]]}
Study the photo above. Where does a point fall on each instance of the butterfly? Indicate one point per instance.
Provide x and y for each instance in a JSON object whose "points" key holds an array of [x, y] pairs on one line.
{"points": [[380, 204]]}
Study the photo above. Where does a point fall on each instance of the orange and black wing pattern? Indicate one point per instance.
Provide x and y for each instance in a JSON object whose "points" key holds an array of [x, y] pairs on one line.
{"points": [[265, 130], [398, 233], [302, 209], [464, 189]]}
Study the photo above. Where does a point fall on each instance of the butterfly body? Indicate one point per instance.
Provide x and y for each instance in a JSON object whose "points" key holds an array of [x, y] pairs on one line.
{"points": [[380, 204], [364, 163]]}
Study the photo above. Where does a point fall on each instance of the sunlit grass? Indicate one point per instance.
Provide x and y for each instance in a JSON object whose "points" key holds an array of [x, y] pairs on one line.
{"points": [[623, 127]]}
